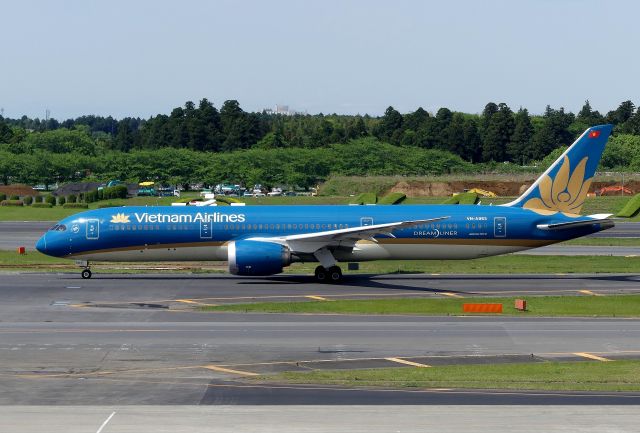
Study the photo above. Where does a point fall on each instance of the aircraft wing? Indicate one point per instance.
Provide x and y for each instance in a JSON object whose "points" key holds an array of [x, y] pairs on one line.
{"points": [[311, 242]]}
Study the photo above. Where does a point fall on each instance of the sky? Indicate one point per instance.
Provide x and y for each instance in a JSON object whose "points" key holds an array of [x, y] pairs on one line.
{"points": [[144, 57]]}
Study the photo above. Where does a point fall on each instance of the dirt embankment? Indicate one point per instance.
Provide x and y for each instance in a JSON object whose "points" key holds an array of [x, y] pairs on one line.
{"points": [[503, 189]]}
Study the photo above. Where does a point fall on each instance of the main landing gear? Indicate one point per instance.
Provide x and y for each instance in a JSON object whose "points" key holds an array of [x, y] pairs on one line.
{"points": [[331, 275], [328, 271]]}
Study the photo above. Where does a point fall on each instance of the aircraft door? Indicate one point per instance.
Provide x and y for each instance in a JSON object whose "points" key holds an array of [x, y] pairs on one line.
{"points": [[366, 221], [500, 227], [93, 229], [206, 229]]}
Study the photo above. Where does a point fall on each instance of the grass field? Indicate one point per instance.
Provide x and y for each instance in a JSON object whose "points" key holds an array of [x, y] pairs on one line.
{"points": [[560, 376], [604, 242], [489, 265], [592, 306], [515, 264]]}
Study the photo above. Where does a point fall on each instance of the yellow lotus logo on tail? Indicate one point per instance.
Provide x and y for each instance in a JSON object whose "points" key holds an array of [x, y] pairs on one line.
{"points": [[120, 218], [563, 194]]}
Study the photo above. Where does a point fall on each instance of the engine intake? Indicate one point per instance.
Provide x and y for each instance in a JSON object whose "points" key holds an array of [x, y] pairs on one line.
{"points": [[257, 257]]}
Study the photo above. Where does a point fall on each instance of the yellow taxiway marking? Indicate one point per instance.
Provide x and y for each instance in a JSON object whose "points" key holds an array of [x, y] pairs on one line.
{"points": [[591, 356], [192, 302], [404, 361], [589, 292], [317, 298], [452, 295], [228, 370]]}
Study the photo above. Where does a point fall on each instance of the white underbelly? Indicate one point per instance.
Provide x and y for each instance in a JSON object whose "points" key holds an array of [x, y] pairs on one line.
{"points": [[172, 254], [364, 251], [426, 251]]}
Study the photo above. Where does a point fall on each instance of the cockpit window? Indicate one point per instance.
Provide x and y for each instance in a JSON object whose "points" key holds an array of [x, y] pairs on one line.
{"points": [[53, 229], [58, 228]]}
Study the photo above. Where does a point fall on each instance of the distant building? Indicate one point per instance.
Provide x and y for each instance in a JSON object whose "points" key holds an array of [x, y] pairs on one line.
{"points": [[282, 110]]}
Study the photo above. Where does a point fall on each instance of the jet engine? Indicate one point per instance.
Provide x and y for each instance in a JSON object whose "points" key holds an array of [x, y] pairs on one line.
{"points": [[257, 257]]}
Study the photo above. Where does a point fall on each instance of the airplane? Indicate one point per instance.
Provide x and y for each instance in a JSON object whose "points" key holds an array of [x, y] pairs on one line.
{"points": [[263, 240]]}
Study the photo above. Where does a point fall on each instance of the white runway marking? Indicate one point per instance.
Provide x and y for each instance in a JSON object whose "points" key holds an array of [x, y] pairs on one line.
{"points": [[106, 421]]}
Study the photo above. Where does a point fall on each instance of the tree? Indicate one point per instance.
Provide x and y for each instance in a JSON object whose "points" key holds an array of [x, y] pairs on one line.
{"points": [[472, 142], [415, 120], [553, 133], [390, 123], [6, 134], [210, 117], [498, 134], [489, 110], [124, 138], [454, 134], [621, 114], [632, 126], [519, 148]]}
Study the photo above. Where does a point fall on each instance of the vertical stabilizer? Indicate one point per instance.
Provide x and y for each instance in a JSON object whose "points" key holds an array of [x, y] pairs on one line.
{"points": [[564, 186]]}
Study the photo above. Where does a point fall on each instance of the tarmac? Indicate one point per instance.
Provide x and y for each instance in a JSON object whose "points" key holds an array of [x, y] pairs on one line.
{"points": [[141, 339], [326, 419]]}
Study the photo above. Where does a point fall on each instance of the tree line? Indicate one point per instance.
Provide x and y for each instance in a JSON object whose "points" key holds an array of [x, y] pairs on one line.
{"points": [[228, 144]]}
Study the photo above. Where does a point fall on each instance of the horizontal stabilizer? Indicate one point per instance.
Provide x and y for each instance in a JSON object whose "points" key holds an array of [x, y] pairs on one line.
{"points": [[602, 219]]}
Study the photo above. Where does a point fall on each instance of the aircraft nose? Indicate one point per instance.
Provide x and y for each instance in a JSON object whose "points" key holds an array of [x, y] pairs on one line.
{"points": [[41, 245]]}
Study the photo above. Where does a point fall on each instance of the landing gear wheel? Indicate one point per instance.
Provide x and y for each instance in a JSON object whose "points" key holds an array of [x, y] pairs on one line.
{"points": [[321, 274], [86, 274], [335, 274]]}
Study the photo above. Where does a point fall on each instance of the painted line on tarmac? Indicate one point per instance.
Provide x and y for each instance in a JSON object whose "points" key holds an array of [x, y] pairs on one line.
{"points": [[426, 293], [106, 421], [592, 356], [230, 371], [192, 302], [406, 362], [589, 292], [317, 298], [451, 295]]}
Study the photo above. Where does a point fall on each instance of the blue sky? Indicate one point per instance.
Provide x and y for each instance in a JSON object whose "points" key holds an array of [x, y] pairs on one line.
{"points": [[144, 57]]}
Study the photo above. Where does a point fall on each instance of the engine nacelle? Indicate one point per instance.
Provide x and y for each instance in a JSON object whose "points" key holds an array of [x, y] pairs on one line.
{"points": [[257, 258]]}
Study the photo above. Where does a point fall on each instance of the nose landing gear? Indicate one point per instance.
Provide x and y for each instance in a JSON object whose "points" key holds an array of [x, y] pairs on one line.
{"points": [[86, 272]]}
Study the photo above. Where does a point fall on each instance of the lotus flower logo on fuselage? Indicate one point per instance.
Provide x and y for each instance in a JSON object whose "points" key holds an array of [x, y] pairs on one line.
{"points": [[120, 218], [563, 193]]}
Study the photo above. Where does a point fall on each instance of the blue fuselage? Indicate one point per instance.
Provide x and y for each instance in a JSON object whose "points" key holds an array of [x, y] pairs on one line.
{"points": [[202, 233]]}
